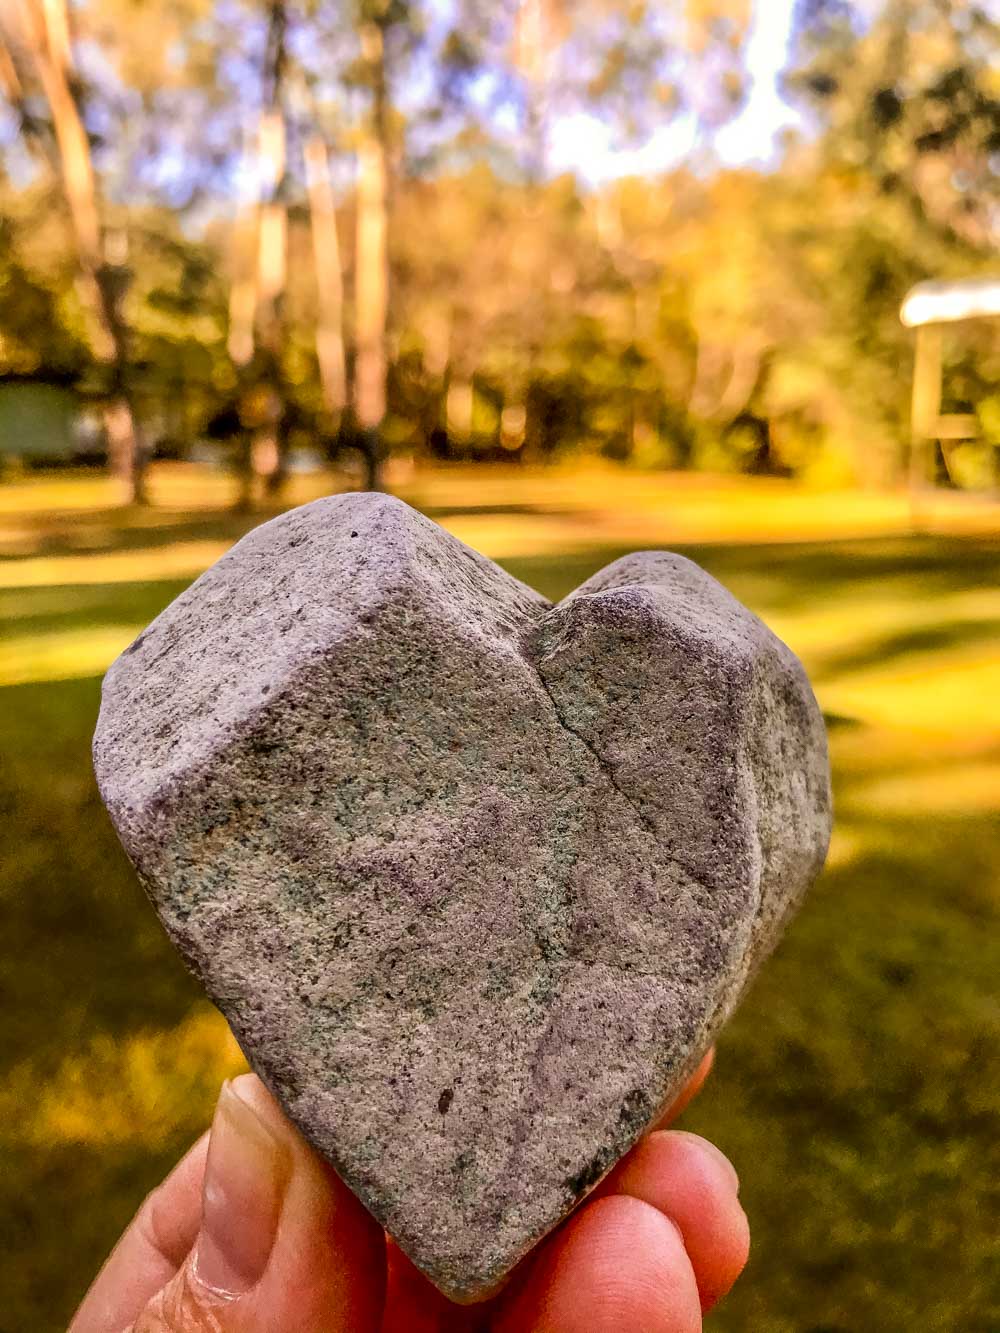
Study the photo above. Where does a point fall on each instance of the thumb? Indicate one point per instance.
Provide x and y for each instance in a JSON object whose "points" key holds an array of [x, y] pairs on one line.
{"points": [[283, 1244]]}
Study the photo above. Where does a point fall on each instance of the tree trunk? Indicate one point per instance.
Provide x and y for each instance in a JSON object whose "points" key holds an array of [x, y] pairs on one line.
{"points": [[240, 343], [243, 291], [534, 38], [273, 267], [244, 501], [258, 285], [272, 235], [372, 262], [329, 282], [124, 448]]}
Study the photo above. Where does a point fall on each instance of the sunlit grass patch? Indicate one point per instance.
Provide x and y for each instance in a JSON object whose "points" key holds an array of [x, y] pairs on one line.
{"points": [[958, 691], [117, 1094], [967, 790], [66, 655], [174, 561], [633, 507], [871, 618]]}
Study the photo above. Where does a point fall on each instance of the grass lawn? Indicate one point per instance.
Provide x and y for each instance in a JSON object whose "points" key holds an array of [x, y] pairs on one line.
{"points": [[858, 1088]]}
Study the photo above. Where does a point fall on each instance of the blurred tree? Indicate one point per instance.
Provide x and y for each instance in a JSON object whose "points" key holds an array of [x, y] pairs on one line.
{"points": [[39, 68], [35, 336], [365, 45], [911, 96], [259, 303], [376, 20], [344, 223], [633, 68], [330, 351], [907, 99]]}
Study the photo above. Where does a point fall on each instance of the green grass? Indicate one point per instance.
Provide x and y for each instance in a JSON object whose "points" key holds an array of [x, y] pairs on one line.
{"points": [[858, 1088]]}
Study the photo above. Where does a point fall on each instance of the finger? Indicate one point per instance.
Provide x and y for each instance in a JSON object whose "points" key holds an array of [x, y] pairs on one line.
{"points": [[283, 1244], [414, 1305], [151, 1250], [690, 1090], [690, 1181], [617, 1264]]}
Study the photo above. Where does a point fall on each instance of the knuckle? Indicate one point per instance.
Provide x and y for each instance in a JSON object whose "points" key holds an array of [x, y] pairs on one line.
{"points": [[186, 1305]]}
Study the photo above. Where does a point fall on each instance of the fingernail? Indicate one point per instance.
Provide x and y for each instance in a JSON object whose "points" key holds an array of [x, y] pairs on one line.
{"points": [[245, 1177], [716, 1154]]}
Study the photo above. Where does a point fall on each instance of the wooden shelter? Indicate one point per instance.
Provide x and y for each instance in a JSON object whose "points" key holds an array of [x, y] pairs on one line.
{"points": [[927, 308]]}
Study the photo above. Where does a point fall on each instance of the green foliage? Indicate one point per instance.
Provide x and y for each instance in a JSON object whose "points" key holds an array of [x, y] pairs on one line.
{"points": [[912, 97], [35, 335]]}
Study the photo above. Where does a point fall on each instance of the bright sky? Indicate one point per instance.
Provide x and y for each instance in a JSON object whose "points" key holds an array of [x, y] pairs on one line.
{"points": [[581, 143]]}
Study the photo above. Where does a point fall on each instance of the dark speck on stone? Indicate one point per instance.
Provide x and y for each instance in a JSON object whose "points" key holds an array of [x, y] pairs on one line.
{"points": [[434, 833]]}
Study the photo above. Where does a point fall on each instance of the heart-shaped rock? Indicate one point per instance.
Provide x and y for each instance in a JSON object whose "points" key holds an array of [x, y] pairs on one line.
{"points": [[474, 879]]}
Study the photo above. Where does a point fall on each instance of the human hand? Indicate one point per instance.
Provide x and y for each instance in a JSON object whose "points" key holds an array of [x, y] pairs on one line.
{"points": [[252, 1233]]}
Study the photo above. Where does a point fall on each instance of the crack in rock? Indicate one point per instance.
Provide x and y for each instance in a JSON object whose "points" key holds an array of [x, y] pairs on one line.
{"points": [[606, 768]]}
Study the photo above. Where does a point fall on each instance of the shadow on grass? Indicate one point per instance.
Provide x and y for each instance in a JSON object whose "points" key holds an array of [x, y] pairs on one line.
{"points": [[789, 576], [85, 606], [121, 533], [81, 943], [444, 512], [770, 579], [926, 639]]}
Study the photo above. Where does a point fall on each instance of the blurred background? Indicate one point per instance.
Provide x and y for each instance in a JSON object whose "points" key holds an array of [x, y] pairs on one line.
{"points": [[573, 279]]}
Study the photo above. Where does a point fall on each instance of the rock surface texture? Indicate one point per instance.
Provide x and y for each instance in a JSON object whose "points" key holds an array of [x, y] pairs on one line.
{"points": [[475, 879]]}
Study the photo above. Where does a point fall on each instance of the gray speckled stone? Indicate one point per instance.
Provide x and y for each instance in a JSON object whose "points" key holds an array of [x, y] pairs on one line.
{"points": [[474, 879]]}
